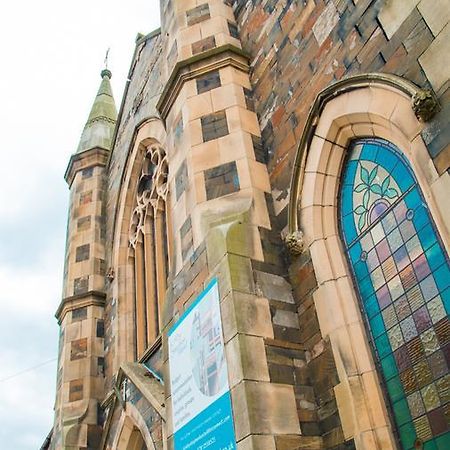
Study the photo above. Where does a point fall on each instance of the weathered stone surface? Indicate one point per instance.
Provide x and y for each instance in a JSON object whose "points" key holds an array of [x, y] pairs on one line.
{"points": [[436, 14], [394, 12], [266, 408], [221, 180], [82, 253], [198, 14], [214, 126], [203, 45], [435, 67], [273, 287], [207, 82]]}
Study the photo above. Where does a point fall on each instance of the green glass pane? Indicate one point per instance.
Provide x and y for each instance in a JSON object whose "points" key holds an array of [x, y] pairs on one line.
{"points": [[372, 307], [407, 434], [377, 325], [443, 442], [383, 346], [430, 445], [401, 412], [389, 367], [395, 389]]}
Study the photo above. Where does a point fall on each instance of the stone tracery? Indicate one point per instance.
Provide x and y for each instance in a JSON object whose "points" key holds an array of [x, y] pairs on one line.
{"points": [[152, 189], [147, 235]]}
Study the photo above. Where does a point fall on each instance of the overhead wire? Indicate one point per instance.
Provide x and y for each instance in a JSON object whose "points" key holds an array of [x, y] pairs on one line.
{"points": [[29, 369]]}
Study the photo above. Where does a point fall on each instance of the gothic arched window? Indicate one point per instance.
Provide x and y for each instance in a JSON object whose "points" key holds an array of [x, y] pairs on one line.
{"points": [[401, 271], [148, 238]]}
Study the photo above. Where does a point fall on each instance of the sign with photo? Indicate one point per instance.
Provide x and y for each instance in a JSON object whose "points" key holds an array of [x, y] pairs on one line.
{"points": [[201, 401]]}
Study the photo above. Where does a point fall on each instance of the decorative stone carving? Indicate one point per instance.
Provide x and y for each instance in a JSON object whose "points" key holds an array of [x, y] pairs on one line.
{"points": [[295, 243], [151, 190], [110, 275], [424, 105]]}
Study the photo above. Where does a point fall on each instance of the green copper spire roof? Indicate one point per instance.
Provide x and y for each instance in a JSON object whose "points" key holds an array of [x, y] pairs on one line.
{"points": [[99, 128]]}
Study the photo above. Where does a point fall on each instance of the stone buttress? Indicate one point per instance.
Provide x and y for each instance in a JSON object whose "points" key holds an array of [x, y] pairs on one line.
{"points": [[80, 381], [221, 216]]}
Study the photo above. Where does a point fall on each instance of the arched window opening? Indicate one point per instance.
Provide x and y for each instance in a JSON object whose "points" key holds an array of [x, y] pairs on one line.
{"points": [[148, 239], [401, 271]]}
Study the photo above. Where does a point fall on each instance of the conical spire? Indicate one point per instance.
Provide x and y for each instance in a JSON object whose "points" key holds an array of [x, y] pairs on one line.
{"points": [[99, 128]]}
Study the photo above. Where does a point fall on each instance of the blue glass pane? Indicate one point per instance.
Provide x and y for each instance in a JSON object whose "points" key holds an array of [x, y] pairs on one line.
{"points": [[395, 389], [445, 296], [377, 326], [349, 227], [413, 200], [347, 200], [442, 277], [402, 176], [427, 237], [355, 252], [435, 256], [350, 172], [370, 152], [360, 269], [421, 217], [387, 159], [365, 287], [372, 307]]}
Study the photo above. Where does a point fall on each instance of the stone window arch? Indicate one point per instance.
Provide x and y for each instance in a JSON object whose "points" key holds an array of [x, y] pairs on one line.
{"points": [[148, 244], [388, 110]]}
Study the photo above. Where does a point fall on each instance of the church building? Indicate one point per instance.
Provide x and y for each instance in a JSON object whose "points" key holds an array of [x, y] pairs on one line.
{"points": [[258, 234]]}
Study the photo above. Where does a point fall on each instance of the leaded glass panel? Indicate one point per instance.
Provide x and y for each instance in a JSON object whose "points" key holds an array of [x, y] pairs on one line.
{"points": [[402, 274]]}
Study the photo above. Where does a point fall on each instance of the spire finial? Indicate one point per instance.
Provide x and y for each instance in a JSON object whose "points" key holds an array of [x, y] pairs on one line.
{"points": [[106, 72], [106, 58]]}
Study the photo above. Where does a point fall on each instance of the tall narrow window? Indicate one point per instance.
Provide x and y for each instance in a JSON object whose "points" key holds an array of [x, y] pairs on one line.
{"points": [[148, 238], [401, 271]]}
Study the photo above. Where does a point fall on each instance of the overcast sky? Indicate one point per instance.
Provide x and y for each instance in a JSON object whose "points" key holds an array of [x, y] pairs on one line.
{"points": [[52, 52]]}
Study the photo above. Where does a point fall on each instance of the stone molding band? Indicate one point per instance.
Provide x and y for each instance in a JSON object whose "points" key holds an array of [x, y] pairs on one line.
{"points": [[195, 66], [91, 298], [97, 156]]}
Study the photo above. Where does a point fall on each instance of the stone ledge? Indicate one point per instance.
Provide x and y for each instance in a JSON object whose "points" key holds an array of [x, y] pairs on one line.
{"points": [[284, 344], [197, 65], [89, 158], [149, 386], [91, 298]]}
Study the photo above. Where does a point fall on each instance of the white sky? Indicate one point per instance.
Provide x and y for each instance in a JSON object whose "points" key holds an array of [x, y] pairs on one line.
{"points": [[52, 52]]}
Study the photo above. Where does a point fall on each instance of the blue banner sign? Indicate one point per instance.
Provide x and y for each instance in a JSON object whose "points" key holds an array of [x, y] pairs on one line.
{"points": [[201, 401]]}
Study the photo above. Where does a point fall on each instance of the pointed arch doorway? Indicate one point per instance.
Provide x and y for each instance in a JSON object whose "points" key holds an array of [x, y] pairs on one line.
{"points": [[131, 437], [136, 441]]}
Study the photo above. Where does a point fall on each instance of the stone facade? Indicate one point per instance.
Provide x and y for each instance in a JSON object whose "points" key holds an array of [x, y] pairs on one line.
{"points": [[225, 161]]}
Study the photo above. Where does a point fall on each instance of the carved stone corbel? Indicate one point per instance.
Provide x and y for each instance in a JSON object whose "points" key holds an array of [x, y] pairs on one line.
{"points": [[424, 105], [110, 275], [295, 243]]}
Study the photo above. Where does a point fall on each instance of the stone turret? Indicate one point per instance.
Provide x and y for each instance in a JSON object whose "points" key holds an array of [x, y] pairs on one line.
{"points": [[80, 381]]}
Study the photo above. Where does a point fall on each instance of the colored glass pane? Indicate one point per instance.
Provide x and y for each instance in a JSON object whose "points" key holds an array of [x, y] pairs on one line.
{"points": [[402, 274]]}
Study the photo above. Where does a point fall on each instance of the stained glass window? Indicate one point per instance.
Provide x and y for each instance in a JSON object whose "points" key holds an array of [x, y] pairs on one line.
{"points": [[402, 274]]}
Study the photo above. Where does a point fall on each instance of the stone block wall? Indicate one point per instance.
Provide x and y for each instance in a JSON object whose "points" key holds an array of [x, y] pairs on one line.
{"points": [[140, 97], [299, 47]]}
